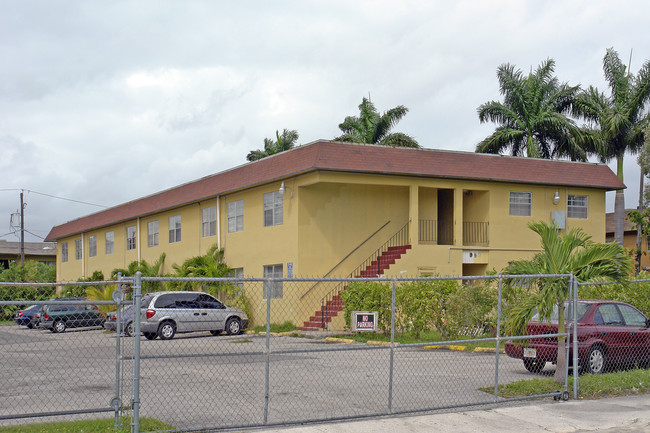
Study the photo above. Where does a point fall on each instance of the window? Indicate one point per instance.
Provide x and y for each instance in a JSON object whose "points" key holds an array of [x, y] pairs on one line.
{"points": [[130, 238], [273, 209], [236, 216], [631, 316], [78, 249], [174, 229], [64, 252], [577, 206], [274, 287], [209, 221], [110, 240], [152, 233], [92, 246], [237, 273], [520, 203]]}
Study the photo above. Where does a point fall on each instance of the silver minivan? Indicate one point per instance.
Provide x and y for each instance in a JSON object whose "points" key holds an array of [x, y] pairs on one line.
{"points": [[164, 314]]}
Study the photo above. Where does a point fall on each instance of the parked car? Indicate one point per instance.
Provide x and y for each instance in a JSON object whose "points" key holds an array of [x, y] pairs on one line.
{"points": [[58, 317], [610, 334], [29, 317], [164, 314], [126, 320]]}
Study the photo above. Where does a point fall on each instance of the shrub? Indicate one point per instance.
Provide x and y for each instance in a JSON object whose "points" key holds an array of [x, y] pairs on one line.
{"points": [[368, 296], [634, 293]]}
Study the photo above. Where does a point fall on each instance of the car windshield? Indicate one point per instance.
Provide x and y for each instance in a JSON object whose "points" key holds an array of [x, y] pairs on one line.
{"points": [[581, 307]]}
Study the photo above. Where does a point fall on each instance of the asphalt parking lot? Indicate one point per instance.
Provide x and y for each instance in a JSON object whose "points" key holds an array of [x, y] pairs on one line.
{"points": [[199, 380]]}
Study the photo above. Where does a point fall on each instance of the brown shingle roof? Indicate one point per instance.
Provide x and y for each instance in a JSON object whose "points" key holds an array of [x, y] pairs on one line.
{"points": [[629, 226], [326, 155]]}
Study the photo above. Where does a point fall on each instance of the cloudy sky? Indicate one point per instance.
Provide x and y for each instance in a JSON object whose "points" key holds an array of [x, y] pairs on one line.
{"points": [[103, 102]]}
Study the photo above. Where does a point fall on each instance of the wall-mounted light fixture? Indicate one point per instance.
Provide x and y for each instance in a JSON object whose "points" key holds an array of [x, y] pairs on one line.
{"points": [[283, 189], [556, 197]]}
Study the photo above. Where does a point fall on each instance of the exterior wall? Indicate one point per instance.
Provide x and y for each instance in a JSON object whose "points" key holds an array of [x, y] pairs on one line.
{"points": [[333, 221]]}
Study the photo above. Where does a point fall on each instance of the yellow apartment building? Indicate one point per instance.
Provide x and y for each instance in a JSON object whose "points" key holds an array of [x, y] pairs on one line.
{"points": [[324, 208]]}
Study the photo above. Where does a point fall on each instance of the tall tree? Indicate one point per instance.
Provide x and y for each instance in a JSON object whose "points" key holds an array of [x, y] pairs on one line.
{"points": [[533, 118], [562, 253], [618, 119], [374, 128], [282, 142]]}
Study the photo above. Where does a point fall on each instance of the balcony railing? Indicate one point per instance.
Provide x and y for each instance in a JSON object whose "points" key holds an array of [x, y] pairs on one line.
{"points": [[475, 233], [442, 232]]}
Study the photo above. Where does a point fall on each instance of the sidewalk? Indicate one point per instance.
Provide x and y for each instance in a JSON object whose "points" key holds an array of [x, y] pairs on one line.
{"points": [[607, 415]]}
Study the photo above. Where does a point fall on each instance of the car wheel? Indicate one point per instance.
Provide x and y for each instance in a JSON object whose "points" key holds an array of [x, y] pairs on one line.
{"points": [[534, 366], [595, 360], [167, 330], [233, 326], [150, 335], [30, 325], [59, 326], [215, 332], [128, 330]]}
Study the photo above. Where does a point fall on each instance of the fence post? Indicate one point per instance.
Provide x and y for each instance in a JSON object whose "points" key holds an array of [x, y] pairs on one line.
{"points": [[137, 286], [269, 283], [498, 342], [392, 347], [118, 404], [576, 372], [568, 311]]}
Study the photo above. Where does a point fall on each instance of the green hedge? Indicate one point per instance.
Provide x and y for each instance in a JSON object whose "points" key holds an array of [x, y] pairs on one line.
{"points": [[451, 308]]}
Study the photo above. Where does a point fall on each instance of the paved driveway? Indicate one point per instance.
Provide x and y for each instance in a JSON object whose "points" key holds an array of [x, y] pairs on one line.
{"points": [[199, 380]]}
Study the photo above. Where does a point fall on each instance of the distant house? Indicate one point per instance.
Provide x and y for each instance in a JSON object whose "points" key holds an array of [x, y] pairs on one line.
{"points": [[44, 252], [324, 208], [629, 237]]}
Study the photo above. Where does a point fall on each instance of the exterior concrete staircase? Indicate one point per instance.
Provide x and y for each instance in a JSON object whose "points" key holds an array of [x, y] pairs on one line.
{"points": [[333, 304]]}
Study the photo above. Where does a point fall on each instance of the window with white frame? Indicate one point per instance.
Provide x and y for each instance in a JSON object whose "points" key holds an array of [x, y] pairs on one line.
{"points": [[174, 229], [273, 202], [521, 203], [209, 219], [577, 206], [236, 216], [64, 252], [92, 246], [78, 249], [273, 287], [110, 242], [130, 238], [152, 233], [238, 273]]}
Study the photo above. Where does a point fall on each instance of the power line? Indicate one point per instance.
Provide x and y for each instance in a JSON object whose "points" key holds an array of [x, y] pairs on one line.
{"points": [[54, 196]]}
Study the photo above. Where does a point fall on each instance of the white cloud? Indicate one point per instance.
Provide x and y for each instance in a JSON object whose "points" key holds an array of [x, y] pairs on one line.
{"points": [[105, 102]]}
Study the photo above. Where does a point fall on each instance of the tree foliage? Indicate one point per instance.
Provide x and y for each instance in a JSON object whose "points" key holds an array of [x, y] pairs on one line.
{"points": [[282, 142], [562, 253], [533, 118], [147, 270], [31, 271], [370, 127]]}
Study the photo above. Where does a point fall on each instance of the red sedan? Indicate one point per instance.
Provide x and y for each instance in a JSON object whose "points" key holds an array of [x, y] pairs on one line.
{"points": [[610, 335]]}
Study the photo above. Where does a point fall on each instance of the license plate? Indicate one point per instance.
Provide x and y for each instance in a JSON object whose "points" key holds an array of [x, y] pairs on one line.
{"points": [[530, 352]]}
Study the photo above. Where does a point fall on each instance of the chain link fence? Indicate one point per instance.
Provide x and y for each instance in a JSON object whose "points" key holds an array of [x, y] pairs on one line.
{"points": [[234, 353]]}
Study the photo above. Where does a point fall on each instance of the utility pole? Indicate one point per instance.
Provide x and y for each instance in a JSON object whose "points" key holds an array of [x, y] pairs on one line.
{"points": [[22, 230]]}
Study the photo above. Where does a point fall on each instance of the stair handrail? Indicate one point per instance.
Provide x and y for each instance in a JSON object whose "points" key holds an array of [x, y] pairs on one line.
{"points": [[345, 258], [401, 234]]}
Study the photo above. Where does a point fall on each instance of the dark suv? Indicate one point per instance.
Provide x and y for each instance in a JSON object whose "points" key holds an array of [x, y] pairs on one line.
{"points": [[58, 317]]}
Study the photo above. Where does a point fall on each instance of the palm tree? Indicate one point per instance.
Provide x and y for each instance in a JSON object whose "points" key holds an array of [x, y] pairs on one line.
{"points": [[372, 128], [284, 141], [618, 120], [532, 117], [209, 265], [147, 270], [562, 254]]}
